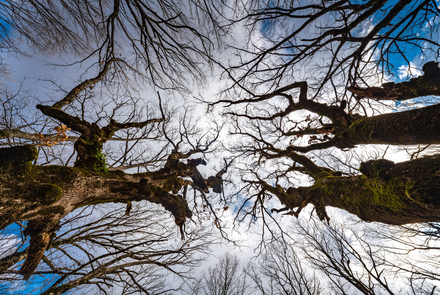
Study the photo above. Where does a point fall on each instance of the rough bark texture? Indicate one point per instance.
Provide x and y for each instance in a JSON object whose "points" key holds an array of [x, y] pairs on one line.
{"points": [[419, 126], [42, 195], [402, 193]]}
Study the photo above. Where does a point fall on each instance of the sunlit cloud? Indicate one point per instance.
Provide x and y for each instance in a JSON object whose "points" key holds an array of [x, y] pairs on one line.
{"points": [[409, 71]]}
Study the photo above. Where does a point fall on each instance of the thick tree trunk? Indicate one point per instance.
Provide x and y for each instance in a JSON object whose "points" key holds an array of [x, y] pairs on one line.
{"points": [[419, 126], [402, 193], [42, 195], [30, 192]]}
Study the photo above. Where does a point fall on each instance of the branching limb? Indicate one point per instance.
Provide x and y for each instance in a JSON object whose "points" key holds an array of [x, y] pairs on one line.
{"points": [[73, 94]]}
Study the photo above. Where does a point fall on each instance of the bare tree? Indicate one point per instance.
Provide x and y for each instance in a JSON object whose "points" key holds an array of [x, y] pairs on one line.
{"points": [[286, 137], [225, 278], [299, 123], [164, 41], [348, 257], [356, 259], [350, 42], [43, 195], [285, 128], [102, 249], [280, 271]]}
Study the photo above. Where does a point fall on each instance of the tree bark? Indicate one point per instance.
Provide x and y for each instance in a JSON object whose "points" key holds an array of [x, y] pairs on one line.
{"points": [[419, 126], [42, 195], [402, 193]]}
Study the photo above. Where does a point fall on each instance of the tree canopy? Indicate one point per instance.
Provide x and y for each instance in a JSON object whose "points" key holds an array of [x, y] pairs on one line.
{"points": [[308, 102]]}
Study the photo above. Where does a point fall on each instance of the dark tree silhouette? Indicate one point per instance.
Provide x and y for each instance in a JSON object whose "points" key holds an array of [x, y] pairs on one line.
{"points": [[348, 258], [226, 277], [279, 270], [283, 122], [43, 195], [354, 41], [307, 87], [161, 41], [363, 260], [102, 249]]}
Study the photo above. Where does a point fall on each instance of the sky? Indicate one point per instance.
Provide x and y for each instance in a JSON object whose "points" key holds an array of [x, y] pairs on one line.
{"points": [[31, 69]]}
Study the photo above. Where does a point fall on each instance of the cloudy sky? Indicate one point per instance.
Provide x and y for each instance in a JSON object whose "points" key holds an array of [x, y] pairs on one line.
{"points": [[45, 75]]}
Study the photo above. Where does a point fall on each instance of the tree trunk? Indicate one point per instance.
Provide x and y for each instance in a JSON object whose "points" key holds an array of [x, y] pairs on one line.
{"points": [[419, 126], [402, 193], [42, 195]]}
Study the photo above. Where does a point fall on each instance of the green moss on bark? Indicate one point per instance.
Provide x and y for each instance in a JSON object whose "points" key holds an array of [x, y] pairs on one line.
{"points": [[419, 126], [361, 193], [59, 175], [43, 194], [17, 159], [407, 192]]}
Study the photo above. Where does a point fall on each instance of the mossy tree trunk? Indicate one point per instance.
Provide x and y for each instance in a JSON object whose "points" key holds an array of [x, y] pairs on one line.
{"points": [[42, 195], [419, 126], [402, 193], [394, 194]]}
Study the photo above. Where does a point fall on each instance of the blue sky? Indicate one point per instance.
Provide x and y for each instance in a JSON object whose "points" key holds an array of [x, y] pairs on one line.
{"points": [[4, 26], [411, 52], [31, 287]]}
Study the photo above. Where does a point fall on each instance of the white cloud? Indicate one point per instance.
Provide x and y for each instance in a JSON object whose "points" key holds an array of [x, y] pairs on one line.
{"points": [[408, 71]]}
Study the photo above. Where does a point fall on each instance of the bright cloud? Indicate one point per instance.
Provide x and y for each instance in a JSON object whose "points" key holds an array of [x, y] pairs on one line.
{"points": [[408, 71]]}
